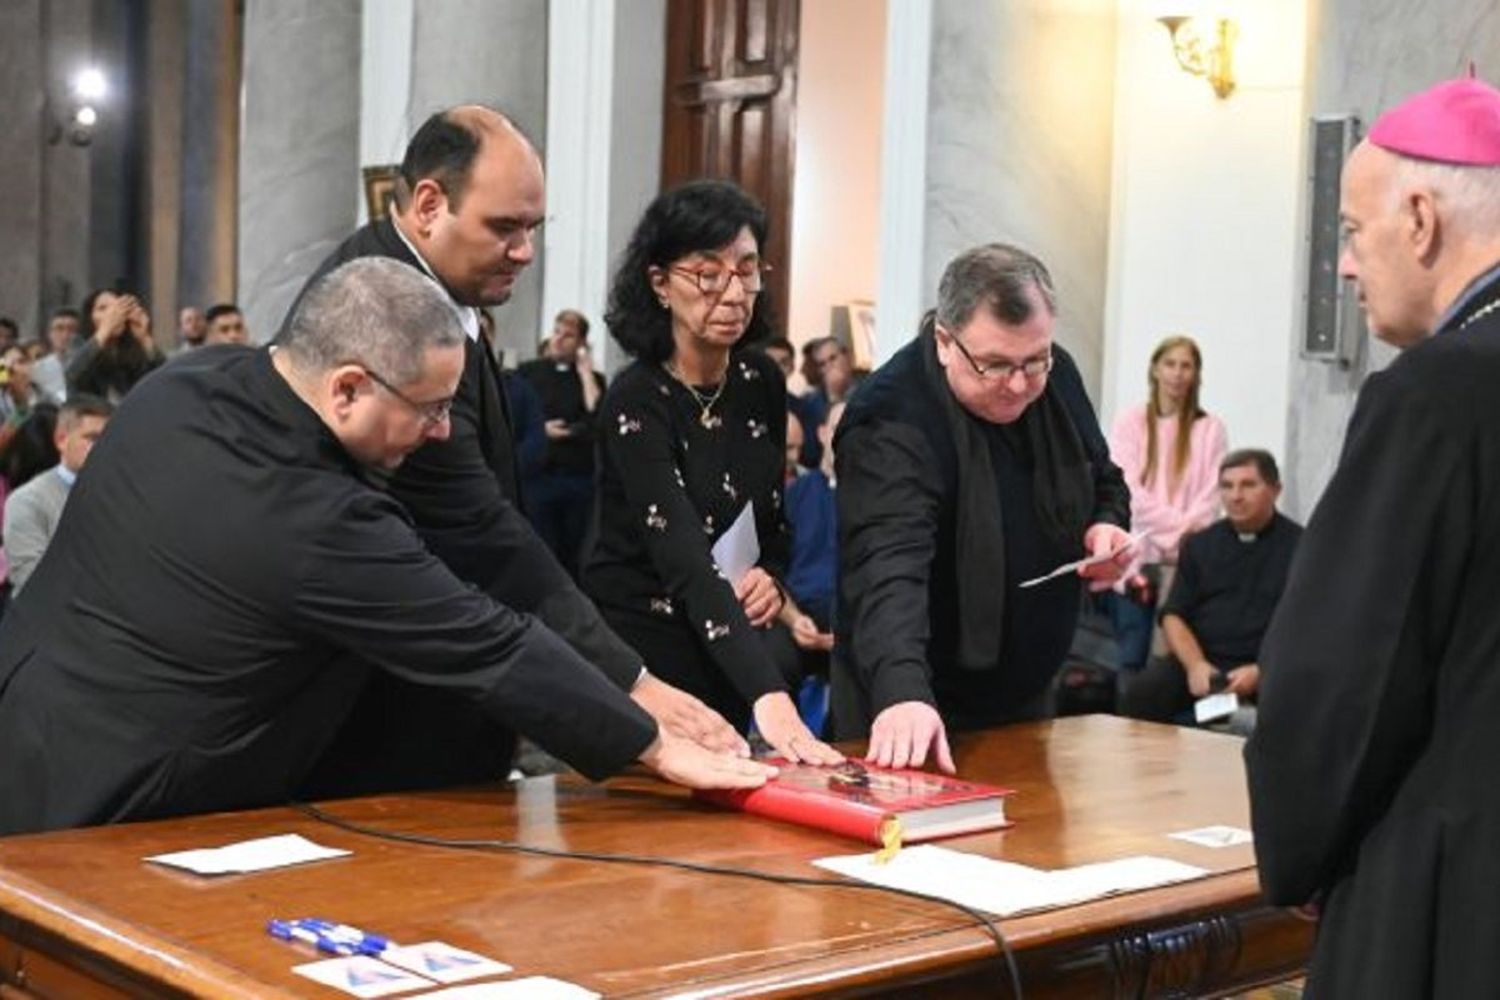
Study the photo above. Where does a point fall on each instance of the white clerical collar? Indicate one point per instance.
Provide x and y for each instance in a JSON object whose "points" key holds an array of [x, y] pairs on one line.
{"points": [[468, 316]]}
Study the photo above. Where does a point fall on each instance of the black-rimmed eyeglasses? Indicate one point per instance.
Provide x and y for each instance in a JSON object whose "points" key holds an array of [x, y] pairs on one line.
{"points": [[432, 413], [1003, 371]]}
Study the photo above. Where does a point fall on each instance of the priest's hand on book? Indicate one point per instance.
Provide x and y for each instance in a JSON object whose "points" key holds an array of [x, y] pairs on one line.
{"points": [[779, 725], [680, 714], [903, 734], [685, 763]]}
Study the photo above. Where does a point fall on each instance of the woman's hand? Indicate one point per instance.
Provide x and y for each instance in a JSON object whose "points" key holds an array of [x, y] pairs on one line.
{"points": [[759, 596], [113, 321], [138, 322], [806, 635], [779, 724]]}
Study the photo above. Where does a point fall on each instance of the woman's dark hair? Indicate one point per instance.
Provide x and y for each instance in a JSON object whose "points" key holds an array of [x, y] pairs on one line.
{"points": [[31, 450], [698, 216]]}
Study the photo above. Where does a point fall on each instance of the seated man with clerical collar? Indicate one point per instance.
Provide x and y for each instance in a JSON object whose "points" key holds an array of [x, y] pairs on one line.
{"points": [[1229, 579]]}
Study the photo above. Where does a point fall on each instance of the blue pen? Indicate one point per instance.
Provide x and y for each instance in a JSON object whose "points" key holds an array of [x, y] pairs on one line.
{"points": [[291, 930], [362, 941]]}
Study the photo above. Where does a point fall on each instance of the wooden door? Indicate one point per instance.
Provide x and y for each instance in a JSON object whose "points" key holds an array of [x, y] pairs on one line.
{"points": [[731, 88]]}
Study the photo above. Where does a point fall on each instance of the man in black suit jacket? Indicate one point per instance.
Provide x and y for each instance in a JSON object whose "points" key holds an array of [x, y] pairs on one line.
{"points": [[468, 202]]}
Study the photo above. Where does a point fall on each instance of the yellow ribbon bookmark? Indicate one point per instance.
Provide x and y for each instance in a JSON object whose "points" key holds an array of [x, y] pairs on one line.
{"points": [[890, 840]]}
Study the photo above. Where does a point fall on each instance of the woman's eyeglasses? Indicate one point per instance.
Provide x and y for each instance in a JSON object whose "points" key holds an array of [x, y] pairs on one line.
{"points": [[715, 280]]}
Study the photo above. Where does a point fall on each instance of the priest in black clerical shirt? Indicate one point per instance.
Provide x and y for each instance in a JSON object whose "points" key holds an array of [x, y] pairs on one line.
{"points": [[223, 577], [1229, 580], [560, 497]]}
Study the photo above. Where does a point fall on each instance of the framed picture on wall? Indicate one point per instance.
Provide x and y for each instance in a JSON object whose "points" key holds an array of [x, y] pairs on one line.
{"points": [[380, 188], [854, 325]]}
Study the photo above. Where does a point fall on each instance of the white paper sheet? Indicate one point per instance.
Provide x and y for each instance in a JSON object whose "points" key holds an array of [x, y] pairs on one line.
{"points": [[530, 988], [1215, 706], [1005, 888], [1215, 836], [738, 549], [249, 855]]}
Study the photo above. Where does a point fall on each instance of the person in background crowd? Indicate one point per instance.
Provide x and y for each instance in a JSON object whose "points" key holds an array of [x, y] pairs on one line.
{"points": [[192, 327], [794, 437], [10, 333], [1229, 580], [781, 351], [693, 432], [27, 453], [836, 380], [50, 371], [1169, 449], [18, 395], [117, 351], [225, 324], [32, 512], [560, 498]]}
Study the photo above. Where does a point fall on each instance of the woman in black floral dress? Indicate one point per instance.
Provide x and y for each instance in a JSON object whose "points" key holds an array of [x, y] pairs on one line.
{"points": [[690, 433]]}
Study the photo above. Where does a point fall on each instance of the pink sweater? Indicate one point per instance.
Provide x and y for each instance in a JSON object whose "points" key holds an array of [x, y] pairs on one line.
{"points": [[1167, 517]]}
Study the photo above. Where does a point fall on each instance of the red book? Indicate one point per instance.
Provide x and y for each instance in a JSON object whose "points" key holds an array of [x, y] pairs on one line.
{"points": [[858, 800]]}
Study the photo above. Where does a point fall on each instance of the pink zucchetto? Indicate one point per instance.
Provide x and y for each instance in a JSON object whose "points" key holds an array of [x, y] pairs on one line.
{"points": [[1455, 122]]}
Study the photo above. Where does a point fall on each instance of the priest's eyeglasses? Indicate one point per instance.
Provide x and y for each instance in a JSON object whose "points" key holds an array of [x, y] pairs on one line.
{"points": [[1003, 371], [715, 280], [432, 413]]}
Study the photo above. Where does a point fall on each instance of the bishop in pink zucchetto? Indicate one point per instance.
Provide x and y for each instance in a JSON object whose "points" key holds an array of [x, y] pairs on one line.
{"points": [[1454, 122], [1380, 672]]}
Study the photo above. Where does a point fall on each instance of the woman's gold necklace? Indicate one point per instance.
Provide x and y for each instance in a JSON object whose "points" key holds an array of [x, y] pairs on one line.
{"points": [[705, 400]]}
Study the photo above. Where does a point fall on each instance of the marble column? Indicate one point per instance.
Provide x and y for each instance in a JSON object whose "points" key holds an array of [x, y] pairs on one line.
{"points": [[1366, 60], [299, 147], [209, 154], [491, 52], [66, 184], [21, 144], [166, 85], [1019, 146]]}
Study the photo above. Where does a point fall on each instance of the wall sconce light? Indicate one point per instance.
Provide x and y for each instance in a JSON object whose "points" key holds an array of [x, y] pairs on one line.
{"points": [[1206, 54], [87, 89]]}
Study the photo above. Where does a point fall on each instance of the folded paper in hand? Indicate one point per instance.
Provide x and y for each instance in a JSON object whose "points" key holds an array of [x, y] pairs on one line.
{"points": [[1079, 564], [738, 549]]}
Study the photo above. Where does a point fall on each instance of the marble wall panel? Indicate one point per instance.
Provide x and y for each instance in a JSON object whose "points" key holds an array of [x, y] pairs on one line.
{"points": [[1366, 55], [1020, 135], [299, 147], [489, 52], [21, 143]]}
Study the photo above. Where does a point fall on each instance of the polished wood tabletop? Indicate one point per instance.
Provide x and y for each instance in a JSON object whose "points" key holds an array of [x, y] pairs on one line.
{"points": [[82, 915]]}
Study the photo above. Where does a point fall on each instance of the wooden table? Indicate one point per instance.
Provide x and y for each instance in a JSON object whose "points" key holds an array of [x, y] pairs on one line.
{"points": [[82, 916]]}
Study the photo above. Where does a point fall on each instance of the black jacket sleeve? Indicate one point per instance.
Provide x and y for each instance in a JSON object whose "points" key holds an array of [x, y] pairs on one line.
{"points": [[455, 499], [367, 584], [888, 506]]}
